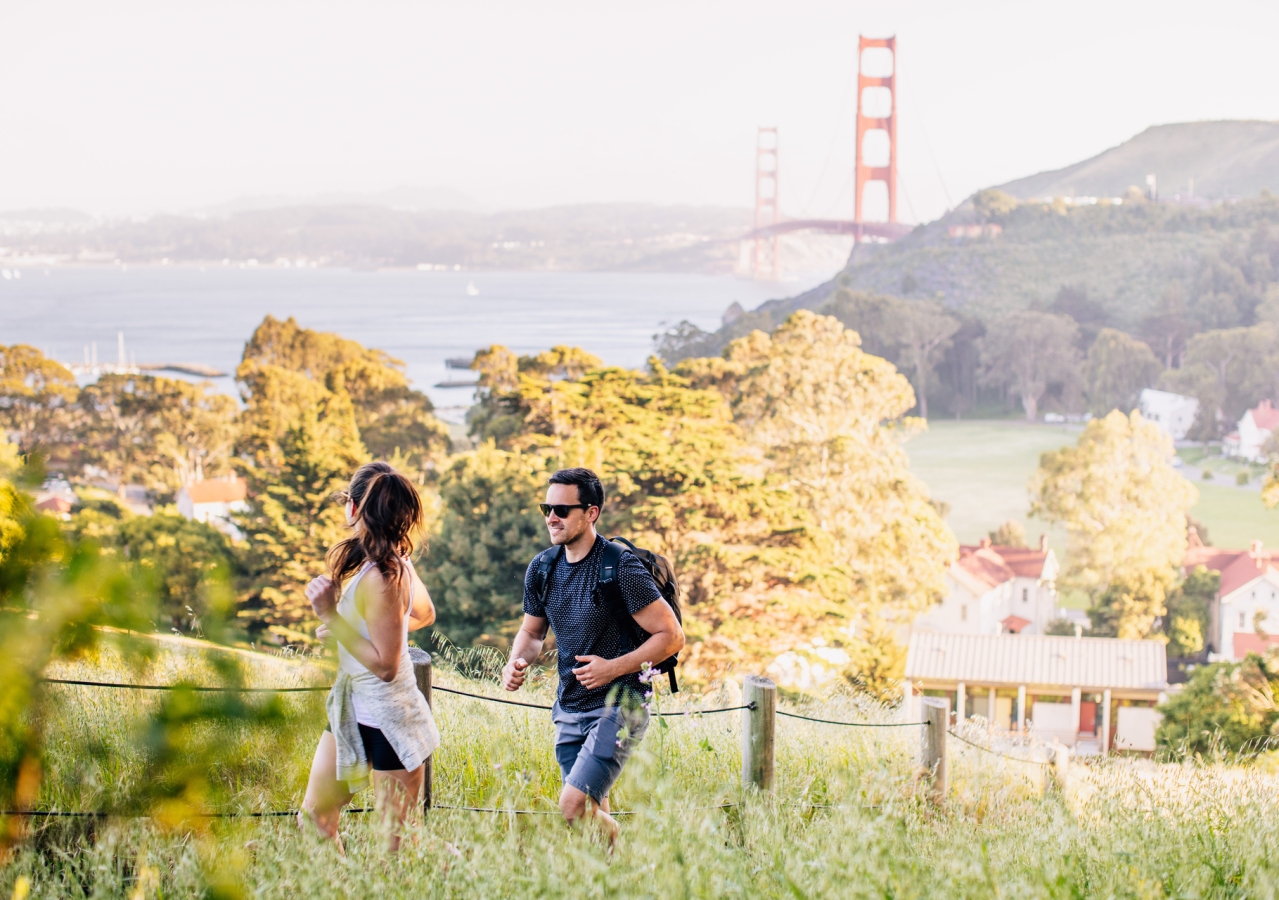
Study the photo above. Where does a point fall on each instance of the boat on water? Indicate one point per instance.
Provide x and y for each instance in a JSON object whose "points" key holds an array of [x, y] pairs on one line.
{"points": [[471, 289]]}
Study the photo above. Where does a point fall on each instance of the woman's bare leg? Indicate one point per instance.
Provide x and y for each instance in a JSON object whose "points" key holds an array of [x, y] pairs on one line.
{"points": [[325, 795], [398, 792]]}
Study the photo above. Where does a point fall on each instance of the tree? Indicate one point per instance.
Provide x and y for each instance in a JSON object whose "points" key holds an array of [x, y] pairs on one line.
{"points": [[1118, 367], [1189, 612], [875, 317], [490, 531], [162, 432], [924, 330], [287, 369], [1009, 534], [1132, 604], [993, 204], [1073, 301], [1168, 327], [294, 518], [1028, 351], [1124, 507], [713, 465], [1228, 371], [818, 407], [175, 556], [1226, 707], [36, 397]]}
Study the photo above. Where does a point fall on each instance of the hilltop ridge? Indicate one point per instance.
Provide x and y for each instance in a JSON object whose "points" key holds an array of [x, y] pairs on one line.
{"points": [[1230, 158]]}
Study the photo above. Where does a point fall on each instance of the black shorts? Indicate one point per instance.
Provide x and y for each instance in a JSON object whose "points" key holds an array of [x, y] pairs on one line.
{"points": [[378, 750]]}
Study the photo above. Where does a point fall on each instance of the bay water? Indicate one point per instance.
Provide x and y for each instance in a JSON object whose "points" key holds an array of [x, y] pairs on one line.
{"points": [[188, 314]]}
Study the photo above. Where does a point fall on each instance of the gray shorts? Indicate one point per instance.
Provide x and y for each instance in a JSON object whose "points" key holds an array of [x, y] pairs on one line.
{"points": [[587, 746]]}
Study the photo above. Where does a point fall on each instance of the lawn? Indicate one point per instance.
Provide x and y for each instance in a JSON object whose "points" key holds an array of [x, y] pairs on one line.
{"points": [[982, 468]]}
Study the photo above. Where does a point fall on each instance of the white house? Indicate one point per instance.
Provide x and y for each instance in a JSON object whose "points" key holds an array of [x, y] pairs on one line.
{"points": [[1173, 413], [1255, 429], [997, 590], [1092, 694], [214, 501], [1245, 613]]}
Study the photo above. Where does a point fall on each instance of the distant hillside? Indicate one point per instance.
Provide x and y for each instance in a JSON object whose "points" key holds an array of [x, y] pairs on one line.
{"points": [[585, 237], [1225, 159]]}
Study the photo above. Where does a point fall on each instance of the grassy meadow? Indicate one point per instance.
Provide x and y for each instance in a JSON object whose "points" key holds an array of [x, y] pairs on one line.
{"points": [[982, 468], [847, 818]]}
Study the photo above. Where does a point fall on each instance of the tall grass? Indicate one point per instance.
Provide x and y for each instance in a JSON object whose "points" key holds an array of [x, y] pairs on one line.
{"points": [[846, 819]]}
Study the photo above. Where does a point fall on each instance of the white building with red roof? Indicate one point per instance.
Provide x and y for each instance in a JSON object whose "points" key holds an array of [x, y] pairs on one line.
{"points": [[997, 590], [1244, 617], [215, 502], [1255, 428]]}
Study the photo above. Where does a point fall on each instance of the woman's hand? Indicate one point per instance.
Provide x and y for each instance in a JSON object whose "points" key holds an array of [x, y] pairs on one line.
{"points": [[322, 633], [323, 594]]}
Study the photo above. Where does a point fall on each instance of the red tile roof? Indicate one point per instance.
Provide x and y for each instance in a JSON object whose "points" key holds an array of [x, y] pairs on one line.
{"points": [[1014, 624], [55, 504], [1024, 562], [1246, 567], [1249, 642], [983, 567], [1237, 567], [1265, 416], [218, 490]]}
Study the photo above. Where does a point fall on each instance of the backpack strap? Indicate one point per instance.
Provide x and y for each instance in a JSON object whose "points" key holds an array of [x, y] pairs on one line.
{"points": [[610, 559], [607, 589], [546, 561]]}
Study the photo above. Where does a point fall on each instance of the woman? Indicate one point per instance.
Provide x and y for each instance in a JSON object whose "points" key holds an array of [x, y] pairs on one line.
{"points": [[378, 719]]}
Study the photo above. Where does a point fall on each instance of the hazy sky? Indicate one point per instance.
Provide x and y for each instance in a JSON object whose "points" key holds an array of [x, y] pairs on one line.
{"points": [[131, 107]]}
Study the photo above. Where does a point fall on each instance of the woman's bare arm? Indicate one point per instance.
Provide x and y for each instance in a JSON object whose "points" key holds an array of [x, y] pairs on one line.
{"points": [[383, 609], [423, 612]]}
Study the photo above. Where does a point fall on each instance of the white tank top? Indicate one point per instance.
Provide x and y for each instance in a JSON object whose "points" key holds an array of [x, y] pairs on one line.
{"points": [[346, 662]]}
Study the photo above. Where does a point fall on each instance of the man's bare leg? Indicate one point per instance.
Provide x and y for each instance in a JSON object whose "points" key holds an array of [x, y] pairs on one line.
{"points": [[577, 806]]}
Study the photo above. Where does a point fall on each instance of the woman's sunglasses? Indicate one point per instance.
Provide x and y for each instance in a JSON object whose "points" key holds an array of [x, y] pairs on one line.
{"points": [[561, 510]]}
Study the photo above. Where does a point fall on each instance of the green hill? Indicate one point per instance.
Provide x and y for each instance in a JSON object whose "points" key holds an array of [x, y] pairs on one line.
{"points": [[1123, 256], [1225, 159], [1166, 272]]}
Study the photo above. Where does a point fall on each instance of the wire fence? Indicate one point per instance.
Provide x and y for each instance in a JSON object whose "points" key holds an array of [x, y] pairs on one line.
{"points": [[691, 713], [992, 751]]}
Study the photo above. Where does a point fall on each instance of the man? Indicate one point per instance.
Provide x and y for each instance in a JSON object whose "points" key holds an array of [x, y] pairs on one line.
{"points": [[597, 714]]}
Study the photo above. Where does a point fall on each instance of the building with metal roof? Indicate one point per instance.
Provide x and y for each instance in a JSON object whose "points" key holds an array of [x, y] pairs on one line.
{"points": [[1066, 688]]}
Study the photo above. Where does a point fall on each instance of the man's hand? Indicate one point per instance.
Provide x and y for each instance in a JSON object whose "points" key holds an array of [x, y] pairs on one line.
{"points": [[596, 673], [323, 594], [513, 674]]}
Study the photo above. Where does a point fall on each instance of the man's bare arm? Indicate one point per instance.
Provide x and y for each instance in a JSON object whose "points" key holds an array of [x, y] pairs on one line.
{"points": [[526, 647], [666, 638]]}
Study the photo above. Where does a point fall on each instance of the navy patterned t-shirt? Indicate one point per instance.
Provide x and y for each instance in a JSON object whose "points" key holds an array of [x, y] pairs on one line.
{"points": [[586, 626]]}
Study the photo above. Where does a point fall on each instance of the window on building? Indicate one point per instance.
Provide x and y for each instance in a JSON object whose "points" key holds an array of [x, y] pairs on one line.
{"points": [[1025, 595], [963, 614], [1242, 618]]}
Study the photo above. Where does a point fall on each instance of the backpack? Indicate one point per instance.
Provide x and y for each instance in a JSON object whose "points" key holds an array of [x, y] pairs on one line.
{"points": [[608, 590]]}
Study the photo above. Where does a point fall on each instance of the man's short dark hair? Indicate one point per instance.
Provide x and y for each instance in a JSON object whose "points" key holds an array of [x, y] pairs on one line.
{"points": [[589, 488]]}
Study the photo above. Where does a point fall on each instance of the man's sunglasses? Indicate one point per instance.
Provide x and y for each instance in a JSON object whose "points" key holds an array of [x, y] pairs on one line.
{"points": [[561, 509]]}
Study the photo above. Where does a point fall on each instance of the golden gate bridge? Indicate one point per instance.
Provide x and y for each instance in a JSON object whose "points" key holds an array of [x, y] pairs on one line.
{"points": [[874, 93]]}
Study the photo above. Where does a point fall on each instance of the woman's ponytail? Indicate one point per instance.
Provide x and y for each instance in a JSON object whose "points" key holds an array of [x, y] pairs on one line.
{"points": [[389, 511]]}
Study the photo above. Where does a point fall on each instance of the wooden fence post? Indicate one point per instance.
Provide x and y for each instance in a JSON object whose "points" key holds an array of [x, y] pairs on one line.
{"points": [[758, 732], [422, 672], [932, 745], [1061, 765]]}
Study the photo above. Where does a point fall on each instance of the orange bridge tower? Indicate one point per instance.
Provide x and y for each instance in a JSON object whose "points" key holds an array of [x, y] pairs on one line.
{"points": [[766, 259], [882, 117]]}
